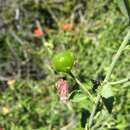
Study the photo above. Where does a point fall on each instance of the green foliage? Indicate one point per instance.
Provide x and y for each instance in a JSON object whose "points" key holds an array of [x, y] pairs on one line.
{"points": [[30, 100], [124, 6], [78, 97]]}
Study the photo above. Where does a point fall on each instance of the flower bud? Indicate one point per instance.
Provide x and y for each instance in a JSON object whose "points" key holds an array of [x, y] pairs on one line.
{"points": [[62, 87]]}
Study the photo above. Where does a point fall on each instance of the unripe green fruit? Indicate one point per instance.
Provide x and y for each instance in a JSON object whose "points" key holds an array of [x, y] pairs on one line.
{"points": [[63, 61]]}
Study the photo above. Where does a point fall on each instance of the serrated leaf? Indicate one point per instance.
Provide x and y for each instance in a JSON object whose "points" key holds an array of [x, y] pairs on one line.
{"points": [[78, 97], [124, 6]]}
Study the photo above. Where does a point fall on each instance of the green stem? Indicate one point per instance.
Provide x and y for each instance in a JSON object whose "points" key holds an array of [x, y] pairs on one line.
{"points": [[118, 54], [114, 61], [82, 87], [93, 111], [119, 82]]}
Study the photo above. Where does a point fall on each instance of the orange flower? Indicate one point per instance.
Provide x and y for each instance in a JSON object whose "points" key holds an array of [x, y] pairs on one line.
{"points": [[1, 129], [37, 32], [67, 26]]}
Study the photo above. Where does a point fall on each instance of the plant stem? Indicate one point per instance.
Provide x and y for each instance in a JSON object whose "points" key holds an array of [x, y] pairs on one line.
{"points": [[119, 82], [82, 87], [118, 54], [93, 111]]}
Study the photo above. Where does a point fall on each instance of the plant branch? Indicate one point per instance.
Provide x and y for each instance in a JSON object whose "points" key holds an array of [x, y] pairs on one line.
{"points": [[93, 111], [82, 87], [114, 61], [118, 54]]}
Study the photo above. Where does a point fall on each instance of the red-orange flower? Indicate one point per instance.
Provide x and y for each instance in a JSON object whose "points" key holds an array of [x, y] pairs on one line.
{"points": [[67, 27], [37, 32], [1, 129]]}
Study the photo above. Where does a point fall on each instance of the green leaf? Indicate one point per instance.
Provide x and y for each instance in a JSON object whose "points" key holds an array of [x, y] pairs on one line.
{"points": [[124, 6], [85, 114], [78, 97], [108, 102], [107, 91], [42, 128], [107, 97]]}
